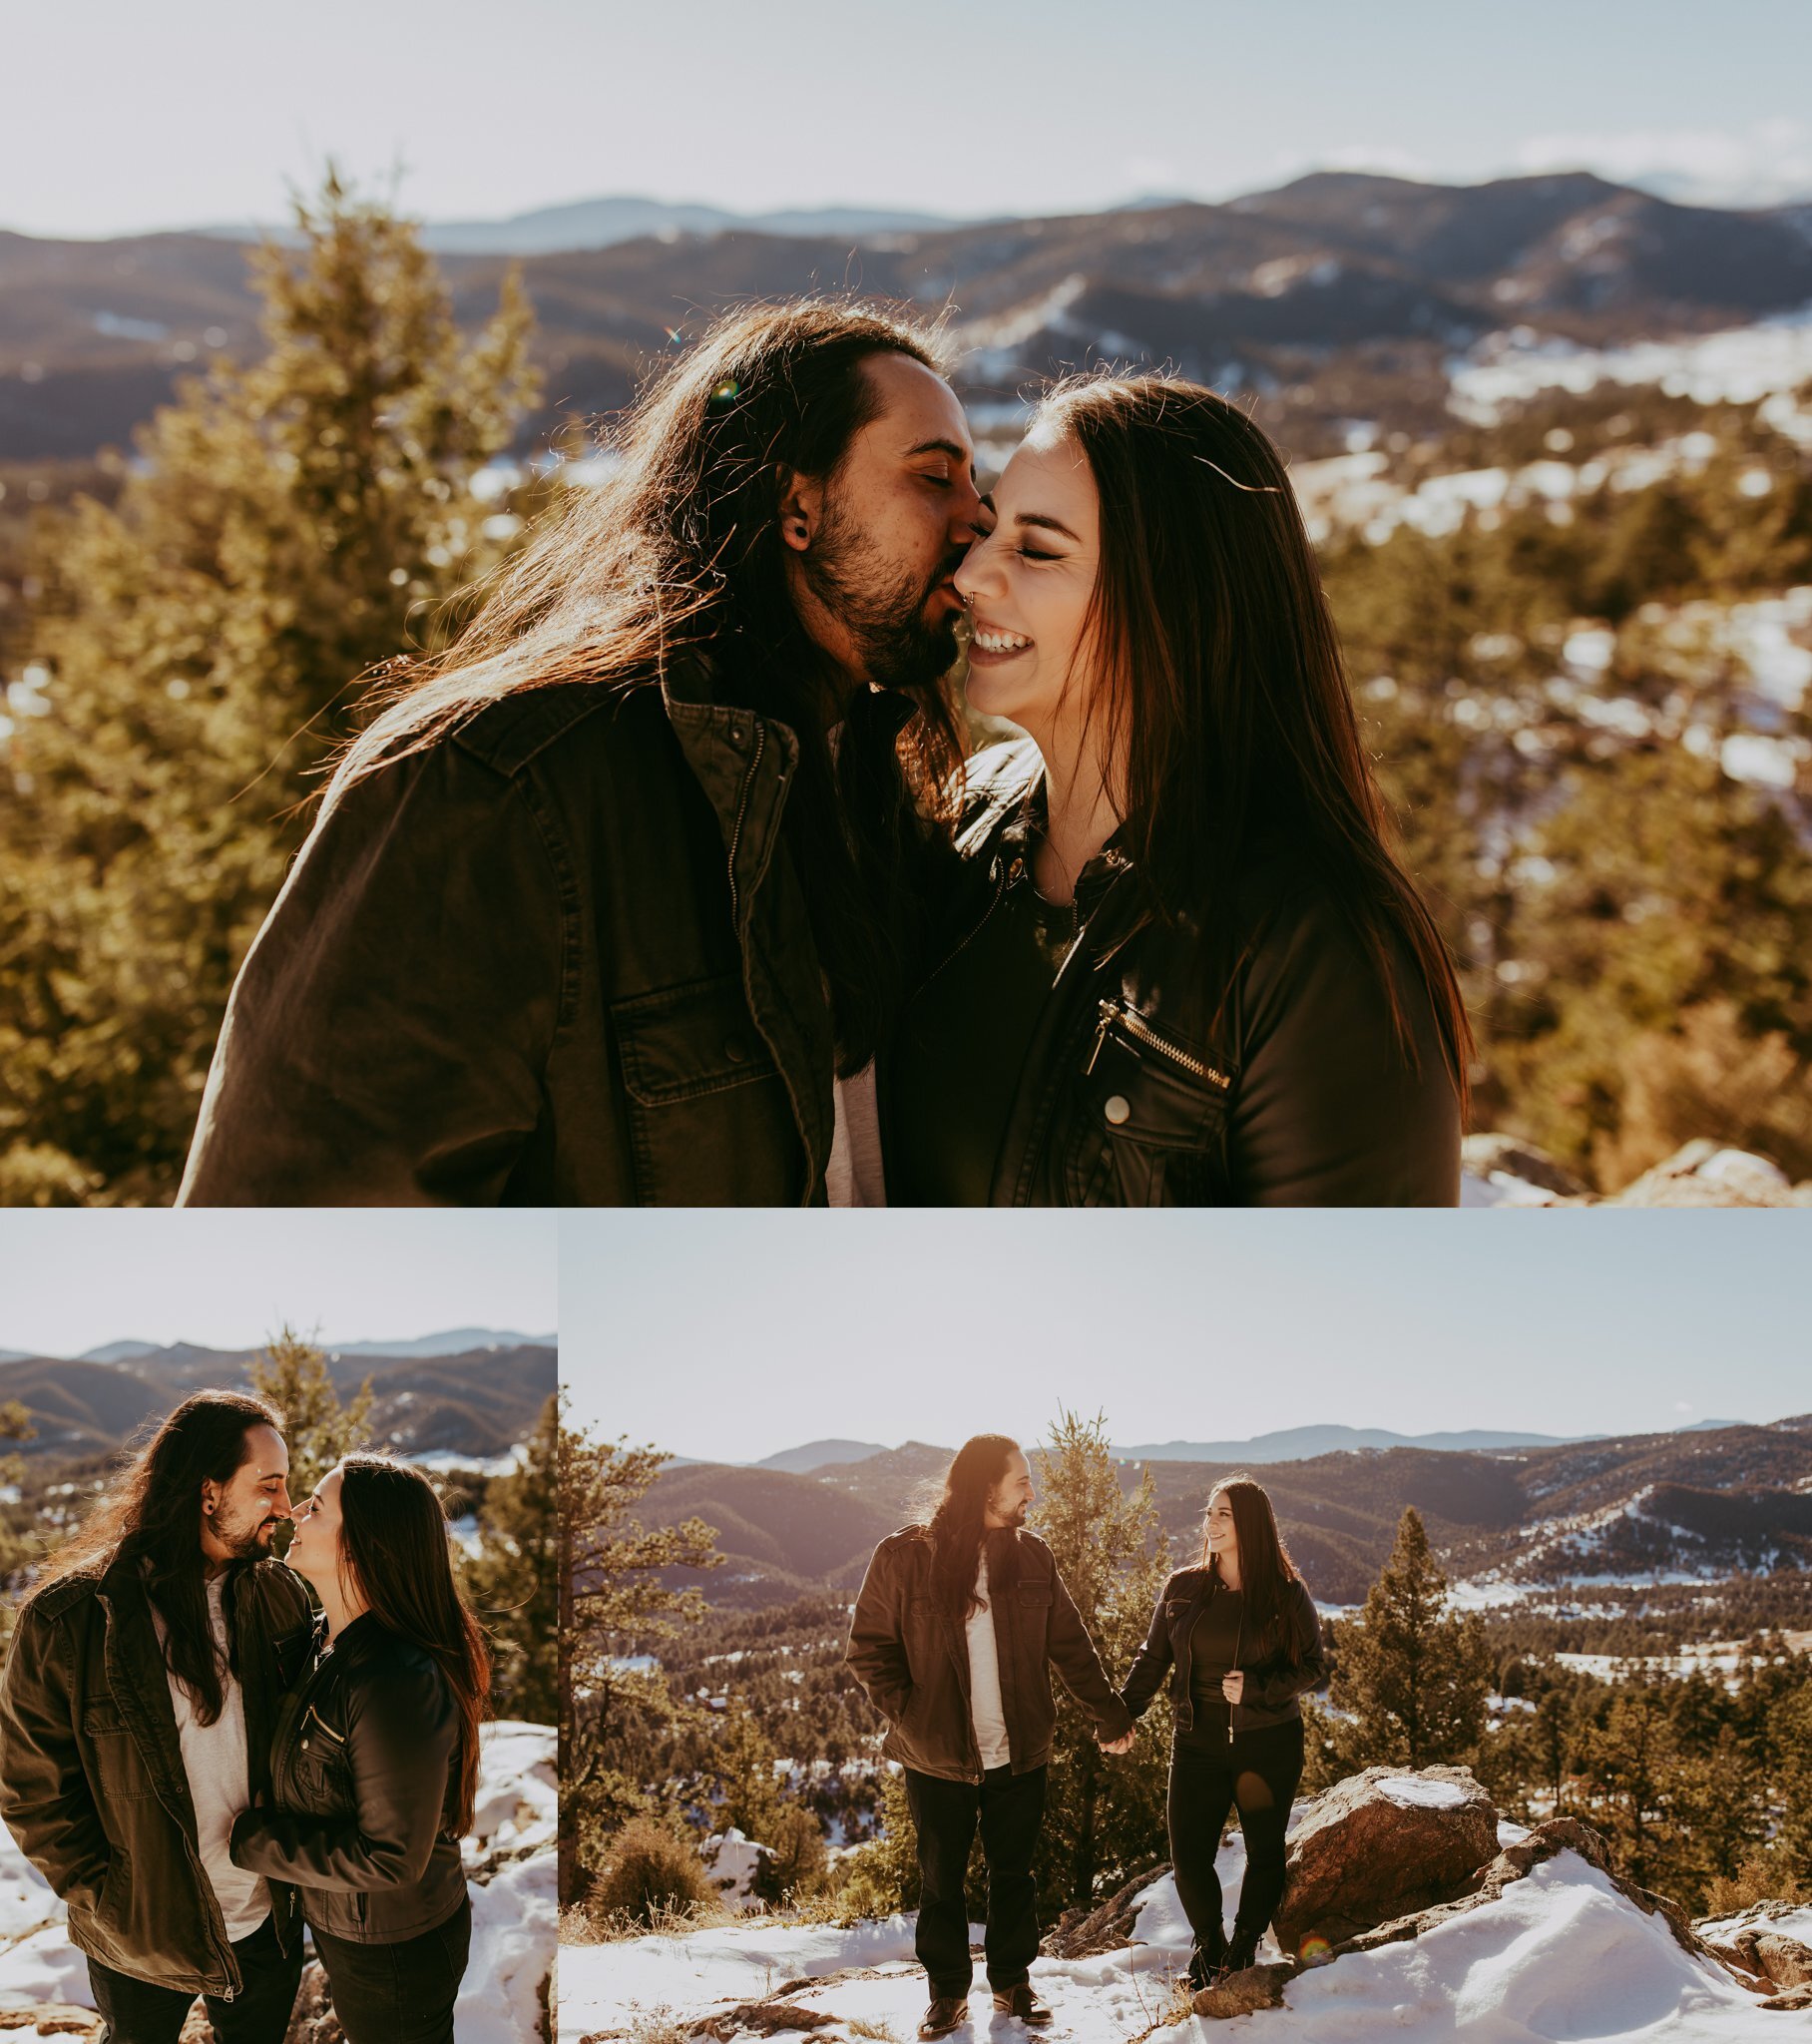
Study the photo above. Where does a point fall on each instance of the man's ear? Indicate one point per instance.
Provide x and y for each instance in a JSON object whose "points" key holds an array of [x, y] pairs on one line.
{"points": [[801, 506], [210, 1498]]}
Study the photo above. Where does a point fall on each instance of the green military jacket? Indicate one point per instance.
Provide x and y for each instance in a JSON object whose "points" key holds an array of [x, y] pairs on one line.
{"points": [[560, 957], [92, 1783]]}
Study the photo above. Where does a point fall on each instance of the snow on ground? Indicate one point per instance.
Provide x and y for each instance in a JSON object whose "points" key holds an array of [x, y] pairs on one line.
{"points": [[1560, 1955], [513, 1908]]}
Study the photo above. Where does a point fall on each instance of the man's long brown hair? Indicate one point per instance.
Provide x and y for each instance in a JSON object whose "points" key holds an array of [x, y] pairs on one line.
{"points": [[151, 1517], [678, 553], [1264, 1565], [1223, 688], [394, 1535], [955, 1525]]}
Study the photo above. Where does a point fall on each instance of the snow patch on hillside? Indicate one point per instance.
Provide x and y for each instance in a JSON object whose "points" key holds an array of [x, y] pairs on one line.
{"points": [[1770, 361]]}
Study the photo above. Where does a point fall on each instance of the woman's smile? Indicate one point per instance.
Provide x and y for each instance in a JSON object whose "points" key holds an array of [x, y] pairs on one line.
{"points": [[993, 643]]}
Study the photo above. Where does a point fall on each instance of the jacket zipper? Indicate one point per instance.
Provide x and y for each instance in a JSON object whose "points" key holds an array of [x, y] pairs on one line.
{"points": [[1138, 1027], [1003, 879], [736, 835]]}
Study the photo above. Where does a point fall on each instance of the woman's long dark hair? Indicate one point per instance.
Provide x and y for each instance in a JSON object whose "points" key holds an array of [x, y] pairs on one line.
{"points": [[152, 1517], [679, 552], [1222, 679], [393, 1532], [955, 1527], [1265, 1566]]}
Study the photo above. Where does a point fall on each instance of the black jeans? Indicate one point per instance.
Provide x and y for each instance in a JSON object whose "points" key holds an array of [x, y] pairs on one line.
{"points": [[1010, 1808], [138, 2013], [399, 1993], [1257, 1773]]}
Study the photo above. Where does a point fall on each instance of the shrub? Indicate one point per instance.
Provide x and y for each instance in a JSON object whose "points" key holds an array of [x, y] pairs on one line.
{"points": [[650, 1873]]}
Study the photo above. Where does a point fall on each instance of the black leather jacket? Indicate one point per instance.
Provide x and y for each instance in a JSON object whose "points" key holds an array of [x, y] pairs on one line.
{"points": [[1272, 1683], [1295, 1092], [560, 958], [359, 1774]]}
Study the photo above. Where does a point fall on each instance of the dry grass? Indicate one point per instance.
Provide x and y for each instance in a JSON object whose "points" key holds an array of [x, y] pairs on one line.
{"points": [[657, 2026], [579, 1925], [876, 2033]]}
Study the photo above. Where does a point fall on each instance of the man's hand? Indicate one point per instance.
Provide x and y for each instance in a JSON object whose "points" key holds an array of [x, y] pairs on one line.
{"points": [[1233, 1687], [1123, 1744]]}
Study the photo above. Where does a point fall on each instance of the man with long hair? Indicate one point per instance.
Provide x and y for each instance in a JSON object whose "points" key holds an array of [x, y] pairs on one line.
{"points": [[614, 902], [135, 1717], [960, 1620]]}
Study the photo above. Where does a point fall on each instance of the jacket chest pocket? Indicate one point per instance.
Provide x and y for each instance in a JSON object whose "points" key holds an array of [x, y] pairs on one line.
{"points": [[1150, 1115], [119, 1770], [320, 1765], [709, 1113]]}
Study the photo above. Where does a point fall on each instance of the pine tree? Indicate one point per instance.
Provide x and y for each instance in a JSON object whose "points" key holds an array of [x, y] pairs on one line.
{"points": [[1630, 1756], [1411, 1676], [742, 1761], [292, 1376], [17, 1547], [1102, 1814], [613, 1594], [199, 646], [512, 1579]]}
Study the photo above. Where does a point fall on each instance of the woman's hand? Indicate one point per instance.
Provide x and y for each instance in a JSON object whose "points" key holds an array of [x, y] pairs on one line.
{"points": [[1233, 1686], [1123, 1744]]}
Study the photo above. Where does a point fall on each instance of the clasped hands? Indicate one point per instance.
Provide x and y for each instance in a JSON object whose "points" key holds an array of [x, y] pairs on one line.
{"points": [[1232, 1687]]}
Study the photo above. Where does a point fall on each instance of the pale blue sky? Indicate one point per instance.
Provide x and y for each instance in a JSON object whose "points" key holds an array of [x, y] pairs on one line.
{"points": [[122, 117], [732, 1337], [70, 1282]]}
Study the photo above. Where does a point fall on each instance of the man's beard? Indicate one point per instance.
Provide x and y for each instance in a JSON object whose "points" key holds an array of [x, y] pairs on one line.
{"points": [[883, 613], [245, 1539]]}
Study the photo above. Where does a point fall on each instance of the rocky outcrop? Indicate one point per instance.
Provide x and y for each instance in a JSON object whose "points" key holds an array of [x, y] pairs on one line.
{"points": [[1504, 1170], [1380, 1846], [312, 2020], [1559, 1834], [1779, 1965], [1245, 1993], [1763, 1960], [51, 2019], [1509, 1163], [1086, 1933], [1705, 1174]]}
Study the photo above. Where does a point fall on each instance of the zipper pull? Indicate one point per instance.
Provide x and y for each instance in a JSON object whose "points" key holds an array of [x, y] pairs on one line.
{"points": [[1108, 1010]]}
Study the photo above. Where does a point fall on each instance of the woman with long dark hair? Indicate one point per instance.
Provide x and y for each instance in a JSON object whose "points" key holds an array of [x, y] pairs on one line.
{"points": [[1190, 970], [375, 1765], [1240, 1639]]}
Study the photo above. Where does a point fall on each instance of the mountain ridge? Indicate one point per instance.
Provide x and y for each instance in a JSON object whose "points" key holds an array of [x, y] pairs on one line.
{"points": [[1643, 1507], [1338, 280], [479, 1404]]}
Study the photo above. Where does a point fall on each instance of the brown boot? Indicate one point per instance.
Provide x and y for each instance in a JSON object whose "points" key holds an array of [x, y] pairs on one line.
{"points": [[1021, 2002], [946, 2012]]}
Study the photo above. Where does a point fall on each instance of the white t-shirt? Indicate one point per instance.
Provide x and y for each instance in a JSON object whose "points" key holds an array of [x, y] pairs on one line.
{"points": [[854, 1177], [985, 1710], [215, 1760]]}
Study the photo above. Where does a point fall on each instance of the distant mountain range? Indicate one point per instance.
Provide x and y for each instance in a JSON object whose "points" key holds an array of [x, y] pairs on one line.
{"points": [[584, 224], [1290, 1444], [478, 1401], [1348, 291], [1698, 1502]]}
